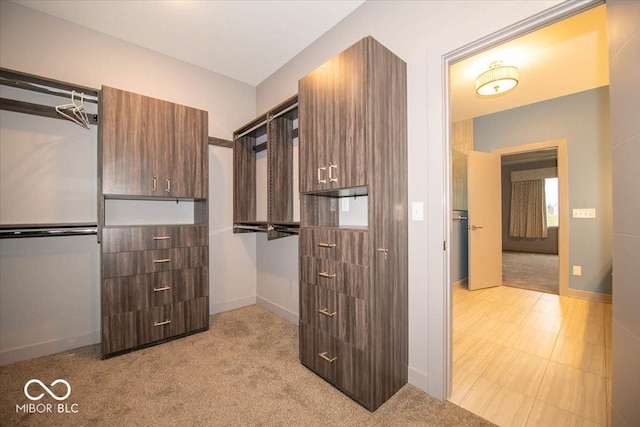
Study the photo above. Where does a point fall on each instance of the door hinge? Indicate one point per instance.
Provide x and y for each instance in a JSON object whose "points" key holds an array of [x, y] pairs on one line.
{"points": [[444, 245]]}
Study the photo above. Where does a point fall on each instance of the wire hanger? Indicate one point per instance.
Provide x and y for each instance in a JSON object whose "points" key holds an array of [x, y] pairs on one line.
{"points": [[79, 116]]}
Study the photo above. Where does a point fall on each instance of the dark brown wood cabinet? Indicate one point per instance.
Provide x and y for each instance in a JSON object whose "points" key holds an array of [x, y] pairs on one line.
{"points": [[154, 278], [146, 144], [354, 279]]}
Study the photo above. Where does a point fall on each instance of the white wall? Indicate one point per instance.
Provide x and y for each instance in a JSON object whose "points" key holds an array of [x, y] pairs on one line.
{"points": [[49, 298], [420, 33]]}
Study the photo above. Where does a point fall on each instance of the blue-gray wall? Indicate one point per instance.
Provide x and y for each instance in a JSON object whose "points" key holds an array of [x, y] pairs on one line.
{"points": [[583, 119]]}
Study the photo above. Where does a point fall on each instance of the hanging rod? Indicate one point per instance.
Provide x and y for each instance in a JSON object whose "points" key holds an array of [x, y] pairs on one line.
{"points": [[248, 131], [250, 227], [289, 230], [285, 111], [44, 85], [47, 230]]}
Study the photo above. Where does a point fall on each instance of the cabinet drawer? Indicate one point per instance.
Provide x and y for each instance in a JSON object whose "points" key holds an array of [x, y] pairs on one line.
{"points": [[132, 293], [126, 239], [350, 279], [336, 314], [350, 246], [134, 263], [128, 330], [337, 362]]}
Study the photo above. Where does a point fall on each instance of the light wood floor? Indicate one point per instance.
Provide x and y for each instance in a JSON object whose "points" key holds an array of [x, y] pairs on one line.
{"points": [[526, 358]]}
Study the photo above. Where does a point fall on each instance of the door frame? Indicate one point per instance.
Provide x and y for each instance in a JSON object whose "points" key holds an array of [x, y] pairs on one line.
{"points": [[554, 14], [563, 201]]}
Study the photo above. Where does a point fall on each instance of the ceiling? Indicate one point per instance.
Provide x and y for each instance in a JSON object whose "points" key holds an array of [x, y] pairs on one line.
{"points": [[242, 39], [567, 57]]}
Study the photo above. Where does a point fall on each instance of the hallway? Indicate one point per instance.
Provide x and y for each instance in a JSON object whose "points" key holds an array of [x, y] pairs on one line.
{"points": [[526, 358]]}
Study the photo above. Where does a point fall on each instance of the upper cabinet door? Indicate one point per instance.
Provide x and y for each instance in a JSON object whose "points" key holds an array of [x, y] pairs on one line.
{"points": [[125, 152], [188, 174], [333, 114], [152, 147]]}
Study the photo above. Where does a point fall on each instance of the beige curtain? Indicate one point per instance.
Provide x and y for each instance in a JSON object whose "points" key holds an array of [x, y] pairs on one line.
{"points": [[528, 217]]}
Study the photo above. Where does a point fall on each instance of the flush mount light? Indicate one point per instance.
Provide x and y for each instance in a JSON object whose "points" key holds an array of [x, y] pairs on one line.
{"points": [[497, 79]]}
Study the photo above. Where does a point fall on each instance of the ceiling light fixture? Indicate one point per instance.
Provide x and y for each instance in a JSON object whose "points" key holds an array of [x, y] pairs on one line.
{"points": [[497, 79]]}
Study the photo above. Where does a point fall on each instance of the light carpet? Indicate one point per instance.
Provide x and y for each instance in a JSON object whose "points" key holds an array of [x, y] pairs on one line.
{"points": [[536, 272], [243, 371]]}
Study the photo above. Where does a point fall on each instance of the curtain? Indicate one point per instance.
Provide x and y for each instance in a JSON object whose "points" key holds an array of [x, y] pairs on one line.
{"points": [[528, 217]]}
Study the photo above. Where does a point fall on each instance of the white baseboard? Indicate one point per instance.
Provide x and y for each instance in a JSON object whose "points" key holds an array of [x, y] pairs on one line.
{"points": [[589, 296], [46, 348], [277, 309], [419, 379], [221, 307]]}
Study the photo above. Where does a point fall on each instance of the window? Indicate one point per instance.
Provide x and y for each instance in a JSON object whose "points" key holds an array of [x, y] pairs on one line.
{"points": [[551, 200]]}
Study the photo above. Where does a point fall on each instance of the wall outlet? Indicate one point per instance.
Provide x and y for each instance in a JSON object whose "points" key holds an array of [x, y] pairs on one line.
{"points": [[417, 211], [577, 270]]}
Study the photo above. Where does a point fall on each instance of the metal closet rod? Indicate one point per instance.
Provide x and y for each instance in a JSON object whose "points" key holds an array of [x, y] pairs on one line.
{"points": [[46, 230], [44, 85], [264, 122]]}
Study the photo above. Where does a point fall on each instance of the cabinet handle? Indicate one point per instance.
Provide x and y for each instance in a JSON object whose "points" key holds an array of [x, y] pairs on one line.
{"points": [[385, 251], [155, 183], [168, 185], [166, 322], [161, 237], [327, 275], [320, 180], [331, 178], [160, 261], [325, 311], [164, 288], [324, 356], [327, 245]]}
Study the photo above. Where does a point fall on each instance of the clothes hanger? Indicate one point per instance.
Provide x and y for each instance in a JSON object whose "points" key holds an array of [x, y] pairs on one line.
{"points": [[80, 112], [72, 106]]}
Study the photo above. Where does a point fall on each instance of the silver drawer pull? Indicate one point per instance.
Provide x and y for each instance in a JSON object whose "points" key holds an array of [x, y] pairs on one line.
{"points": [[166, 322], [168, 186], [164, 288], [327, 275], [155, 183], [161, 237], [331, 178], [160, 261], [325, 311], [324, 356], [327, 245], [320, 180]]}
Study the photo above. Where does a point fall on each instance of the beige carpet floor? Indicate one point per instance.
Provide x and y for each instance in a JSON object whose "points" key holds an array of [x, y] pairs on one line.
{"points": [[535, 272], [244, 371]]}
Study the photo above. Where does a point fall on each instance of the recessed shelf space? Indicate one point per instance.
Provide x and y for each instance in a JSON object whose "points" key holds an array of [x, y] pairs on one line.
{"points": [[329, 209], [150, 212]]}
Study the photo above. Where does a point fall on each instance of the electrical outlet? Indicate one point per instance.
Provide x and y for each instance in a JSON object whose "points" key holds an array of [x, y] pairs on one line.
{"points": [[577, 270]]}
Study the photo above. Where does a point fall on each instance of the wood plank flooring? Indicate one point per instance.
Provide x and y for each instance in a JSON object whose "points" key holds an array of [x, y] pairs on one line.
{"points": [[526, 358]]}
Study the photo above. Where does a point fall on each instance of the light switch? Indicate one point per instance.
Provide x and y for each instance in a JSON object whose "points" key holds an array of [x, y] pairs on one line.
{"points": [[584, 213], [344, 204], [577, 270], [417, 211]]}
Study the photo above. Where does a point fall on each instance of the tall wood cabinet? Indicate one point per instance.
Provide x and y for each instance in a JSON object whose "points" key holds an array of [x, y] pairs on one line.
{"points": [[353, 279], [154, 277]]}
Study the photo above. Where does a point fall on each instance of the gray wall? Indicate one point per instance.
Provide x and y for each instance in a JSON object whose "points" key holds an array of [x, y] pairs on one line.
{"points": [[49, 288], [624, 66], [548, 245], [583, 119]]}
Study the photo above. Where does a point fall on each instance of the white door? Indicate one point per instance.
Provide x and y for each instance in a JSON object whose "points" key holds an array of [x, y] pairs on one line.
{"points": [[485, 220]]}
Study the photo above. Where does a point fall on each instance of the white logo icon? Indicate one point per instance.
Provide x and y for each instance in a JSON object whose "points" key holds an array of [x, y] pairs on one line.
{"points": [[47, 389]]}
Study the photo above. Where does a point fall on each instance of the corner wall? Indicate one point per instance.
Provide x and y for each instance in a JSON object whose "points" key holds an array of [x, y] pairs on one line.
{"points": [[49, 288]]}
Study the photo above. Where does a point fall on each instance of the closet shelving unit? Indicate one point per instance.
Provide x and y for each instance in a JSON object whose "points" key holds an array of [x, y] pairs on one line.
{"points": [[274, 132], [33, 83]]}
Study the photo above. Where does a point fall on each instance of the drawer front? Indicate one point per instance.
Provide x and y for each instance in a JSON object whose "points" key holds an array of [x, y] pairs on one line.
{"points": [[128, 330], [349, 246], [338, 315], [134, 263], [336, 361], [132, 293], [135, 328], [350, 279], [126, 239]]}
